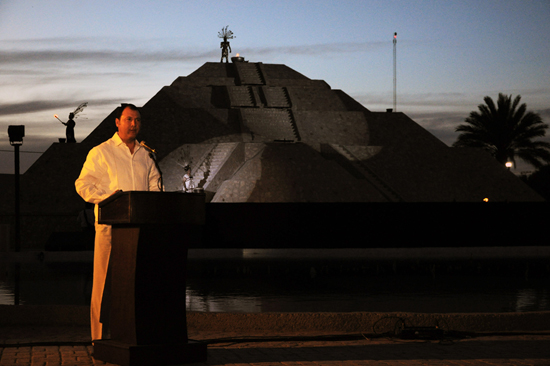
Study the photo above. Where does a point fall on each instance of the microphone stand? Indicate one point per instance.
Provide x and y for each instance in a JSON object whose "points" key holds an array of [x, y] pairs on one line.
{"points": [[161, 185], [153, 156]]}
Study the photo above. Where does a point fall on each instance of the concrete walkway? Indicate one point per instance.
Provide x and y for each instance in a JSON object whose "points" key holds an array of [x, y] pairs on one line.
{"points": [[297, 339], [56, 346]]}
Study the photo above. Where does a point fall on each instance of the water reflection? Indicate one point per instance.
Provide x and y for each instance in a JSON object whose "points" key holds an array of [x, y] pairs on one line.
{"points": [[531, 299], [276, 287], [222, 303], [46, 283], [7, 296], [387, 293]]}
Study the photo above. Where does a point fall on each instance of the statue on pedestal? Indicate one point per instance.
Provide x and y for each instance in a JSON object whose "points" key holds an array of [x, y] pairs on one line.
{"points": [[226, 48]]}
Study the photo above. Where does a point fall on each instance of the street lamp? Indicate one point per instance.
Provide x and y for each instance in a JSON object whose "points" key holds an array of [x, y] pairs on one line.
{"points": [[16, 134], [508, 164]]}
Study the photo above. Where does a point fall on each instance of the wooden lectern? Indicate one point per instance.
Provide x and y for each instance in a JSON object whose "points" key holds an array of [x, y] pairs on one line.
{"points": [[151, 232]]}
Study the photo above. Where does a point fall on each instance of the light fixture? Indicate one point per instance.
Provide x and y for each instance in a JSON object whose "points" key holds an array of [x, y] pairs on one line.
{"points": [[16, 134]]}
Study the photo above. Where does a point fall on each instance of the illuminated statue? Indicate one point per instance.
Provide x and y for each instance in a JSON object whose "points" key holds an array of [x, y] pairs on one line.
{"points": [[188, 184], [226, 48]]}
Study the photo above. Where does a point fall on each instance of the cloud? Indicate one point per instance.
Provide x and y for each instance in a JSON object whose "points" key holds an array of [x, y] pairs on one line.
{"points": [[544, 113], [58, 50], [317, 49], [64, 56], [440, 124], [46, 105], [443, 124], [430, 102]]}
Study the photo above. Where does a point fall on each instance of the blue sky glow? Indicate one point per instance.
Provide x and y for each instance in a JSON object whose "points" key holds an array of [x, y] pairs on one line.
{"points": [[56, 54]]}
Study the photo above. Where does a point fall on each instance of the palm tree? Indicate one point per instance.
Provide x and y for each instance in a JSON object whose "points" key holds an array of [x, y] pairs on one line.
{"points": [[506, 131]]}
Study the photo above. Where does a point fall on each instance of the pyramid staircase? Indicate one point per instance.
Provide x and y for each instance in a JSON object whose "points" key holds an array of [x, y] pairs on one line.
{"points": [[249, 73], [265, 111], [276, 96], [241, 96], [385, 189], [212, 161], [271, 124]]}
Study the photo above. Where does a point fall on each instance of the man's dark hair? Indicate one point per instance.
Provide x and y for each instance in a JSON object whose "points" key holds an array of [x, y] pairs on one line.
{"points": [[123, 107]]}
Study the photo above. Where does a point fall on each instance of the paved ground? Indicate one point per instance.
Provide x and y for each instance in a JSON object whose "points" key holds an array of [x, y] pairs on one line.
{"points": [[53, 346]]}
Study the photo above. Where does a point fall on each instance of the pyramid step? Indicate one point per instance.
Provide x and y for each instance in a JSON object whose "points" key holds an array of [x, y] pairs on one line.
{"points": [[240, 96], [372, 177], [249, 73], [293, 124], [212, 163], [276, 97], [269, 124]]}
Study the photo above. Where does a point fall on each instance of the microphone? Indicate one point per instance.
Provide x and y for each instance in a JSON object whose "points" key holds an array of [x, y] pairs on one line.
{"points": [[153, 156], [142, 143]]}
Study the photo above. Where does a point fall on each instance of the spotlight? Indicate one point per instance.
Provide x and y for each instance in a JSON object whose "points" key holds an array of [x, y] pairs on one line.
{"points": [[16, 134]]}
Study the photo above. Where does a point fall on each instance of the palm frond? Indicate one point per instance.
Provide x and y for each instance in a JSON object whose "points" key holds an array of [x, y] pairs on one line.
{"points": [[506, 129]]}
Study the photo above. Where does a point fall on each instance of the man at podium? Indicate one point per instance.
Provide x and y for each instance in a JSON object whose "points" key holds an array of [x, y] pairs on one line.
{"points": [[119, 163]]}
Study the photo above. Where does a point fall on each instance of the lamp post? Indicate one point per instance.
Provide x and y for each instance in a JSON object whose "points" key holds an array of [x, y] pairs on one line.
{"points": [[395, 72], [16, 134]]}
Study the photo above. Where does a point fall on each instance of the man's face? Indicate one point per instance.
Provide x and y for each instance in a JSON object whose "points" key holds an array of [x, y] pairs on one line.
{"points": [[128, 125]]}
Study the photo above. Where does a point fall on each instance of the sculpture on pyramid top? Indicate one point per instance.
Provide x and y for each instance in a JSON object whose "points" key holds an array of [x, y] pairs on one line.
{"points": [[226, 48]]}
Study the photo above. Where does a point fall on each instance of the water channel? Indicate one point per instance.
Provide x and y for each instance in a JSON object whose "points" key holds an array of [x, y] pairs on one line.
{"points": [[297, 284]]}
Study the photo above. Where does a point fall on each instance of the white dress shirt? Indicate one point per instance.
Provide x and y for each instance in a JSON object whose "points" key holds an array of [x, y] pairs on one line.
{"points": [[110, 167]]}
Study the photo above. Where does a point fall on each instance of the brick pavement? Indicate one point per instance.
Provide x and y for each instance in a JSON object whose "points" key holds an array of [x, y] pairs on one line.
{"points": [[34, 347]]}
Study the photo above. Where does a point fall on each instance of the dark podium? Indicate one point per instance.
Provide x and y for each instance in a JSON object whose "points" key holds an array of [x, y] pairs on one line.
{"points": [[150, 236]]}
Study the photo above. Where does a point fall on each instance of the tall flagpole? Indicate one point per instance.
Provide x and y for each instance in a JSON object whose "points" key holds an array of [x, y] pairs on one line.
{"points": [[395, 72]]}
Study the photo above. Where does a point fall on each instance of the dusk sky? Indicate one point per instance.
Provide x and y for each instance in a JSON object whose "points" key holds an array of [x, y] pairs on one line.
{"points": [[55, 55]]}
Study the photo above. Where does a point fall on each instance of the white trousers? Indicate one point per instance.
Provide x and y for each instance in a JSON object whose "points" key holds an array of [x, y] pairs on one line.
{"points": [[102, 252]]}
